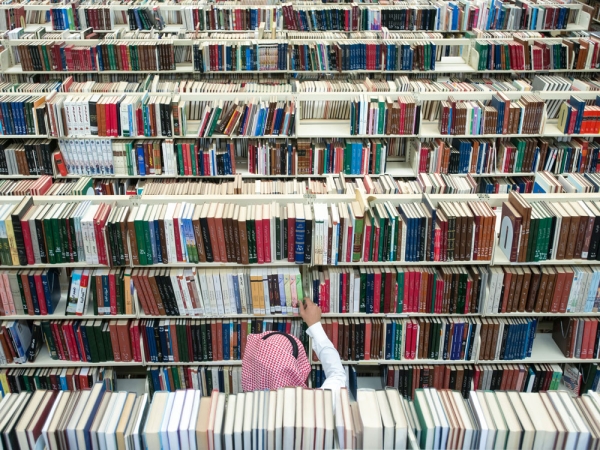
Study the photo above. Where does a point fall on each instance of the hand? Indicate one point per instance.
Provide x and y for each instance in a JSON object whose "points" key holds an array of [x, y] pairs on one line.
{"points": [[309, 312]]}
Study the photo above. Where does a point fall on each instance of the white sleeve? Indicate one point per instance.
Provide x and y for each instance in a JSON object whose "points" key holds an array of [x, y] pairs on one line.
{"points": [[329, 357]]}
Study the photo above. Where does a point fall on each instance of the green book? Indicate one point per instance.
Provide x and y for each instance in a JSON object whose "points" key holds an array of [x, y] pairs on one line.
{"points": [[348, 153], [193, 159], [48, 338], [251, 230], [425, 419], [400, 302], [180, 164], [380, 128], [108, 350], [47, 225], [97, 328], [139, 234]]}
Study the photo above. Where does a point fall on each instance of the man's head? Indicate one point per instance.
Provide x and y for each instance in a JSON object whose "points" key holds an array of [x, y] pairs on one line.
{"points": [[273, 360]]}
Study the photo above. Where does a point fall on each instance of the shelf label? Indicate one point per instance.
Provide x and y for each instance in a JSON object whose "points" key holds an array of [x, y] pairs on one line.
{"points": [[310, 198]]}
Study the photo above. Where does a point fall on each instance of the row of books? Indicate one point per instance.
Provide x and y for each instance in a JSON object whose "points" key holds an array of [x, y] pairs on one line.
{"points": [[318, 157], [548, 231], [228, 56], [575, 116], [198, 292], [207, 340], [22, 115], [204, 379], [83, 418], [29, 157], [524, 185], [559, 289], [363, 55], [381, 115], [375, 290], [467, 378], [45, 185], [577, 338], [242, 187], [506, 156], [57, 56], [15, 381], [500, 116]]}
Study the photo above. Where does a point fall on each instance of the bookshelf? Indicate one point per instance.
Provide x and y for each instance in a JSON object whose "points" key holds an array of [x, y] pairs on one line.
{"points": [[463, 59]]}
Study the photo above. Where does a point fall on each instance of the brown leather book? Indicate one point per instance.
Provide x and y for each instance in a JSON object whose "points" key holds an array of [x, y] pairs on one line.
{"points": [[122, 326], [549, 289], [539, 301], [534, 287], [484, 336], [583, 226], [220, 232], [524, 289], [229, 251], [140, 292], [235, 229], [114, 340], [151, 280], [212, 228], [515, 284], [494, 341], [568, 283], [524, 209], [198, 233], [573, 231], [508, 274], [563, 333]]}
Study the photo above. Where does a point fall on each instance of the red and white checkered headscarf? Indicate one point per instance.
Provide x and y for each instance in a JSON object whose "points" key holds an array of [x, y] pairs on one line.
{"points": [[272, 361]]}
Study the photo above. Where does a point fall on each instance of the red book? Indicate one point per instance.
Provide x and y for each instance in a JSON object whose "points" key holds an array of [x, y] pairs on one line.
{"points": [[67, 330], [409, 336], [415, 333], [62, 352], [592, 342], [39, 288], [177, 233], [585, 341], [266, 234], [377, 291], [112, 291], [27, 241]]}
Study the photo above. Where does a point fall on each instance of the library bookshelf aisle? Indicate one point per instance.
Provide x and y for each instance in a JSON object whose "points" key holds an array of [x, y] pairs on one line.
{"points": [[543, 347]]}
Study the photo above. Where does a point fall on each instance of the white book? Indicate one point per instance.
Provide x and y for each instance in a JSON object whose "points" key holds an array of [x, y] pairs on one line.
{"points": [[111, 428], [191, 429], [299, 417], [387, 419], [545, 431], [271, 409], [219, 420], [491, 440], [445, 427], [499, 421], [174, 419], [72, 425], [155, 416], [584, 432], [289, 411], [100, 435], [88, 413], [308, 419], [20, 428], [229, 422], [319, 414], [238, 425], [370, 417], [400, 420], [249, 401], [461, 406], [526, 424], [186, 417], [141, 418]]}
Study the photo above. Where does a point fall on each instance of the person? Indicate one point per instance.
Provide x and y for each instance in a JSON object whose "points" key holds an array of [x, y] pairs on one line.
{"points": [[273, 359]]}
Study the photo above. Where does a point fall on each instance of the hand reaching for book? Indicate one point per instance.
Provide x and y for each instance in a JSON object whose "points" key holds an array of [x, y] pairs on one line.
{"points": [[309, 312]]}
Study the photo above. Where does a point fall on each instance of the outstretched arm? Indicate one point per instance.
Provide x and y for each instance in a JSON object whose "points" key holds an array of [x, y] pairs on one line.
{"points": [[328, 355]]}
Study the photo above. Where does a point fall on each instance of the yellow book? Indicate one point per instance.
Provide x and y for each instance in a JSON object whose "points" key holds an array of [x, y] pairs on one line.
{"points": [[12, 242]]}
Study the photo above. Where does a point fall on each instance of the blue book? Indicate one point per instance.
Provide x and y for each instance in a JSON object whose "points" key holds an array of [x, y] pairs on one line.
{"points": [[86, 343], [95, 399], [388, 340], [226, 340], [141, 162], [138, 21], [155, 379], [159, 256], [165, 375], [51, 289], [299, 244], [163, 343], [370, 297], [236, 292]]}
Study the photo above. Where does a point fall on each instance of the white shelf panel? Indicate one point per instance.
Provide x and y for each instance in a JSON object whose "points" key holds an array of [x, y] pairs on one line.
{"points": [[544, 351], [59, 313], [44, 360], [500, 259]]}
